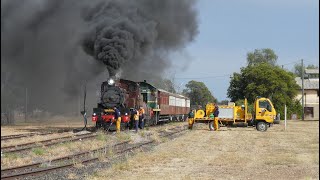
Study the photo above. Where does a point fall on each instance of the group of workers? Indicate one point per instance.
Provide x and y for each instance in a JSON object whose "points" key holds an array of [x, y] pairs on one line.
{"points": [[138, 116], [214, 115]]}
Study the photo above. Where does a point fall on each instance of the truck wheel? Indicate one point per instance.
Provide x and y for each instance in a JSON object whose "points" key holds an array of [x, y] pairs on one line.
{"points": [[262, 126]]}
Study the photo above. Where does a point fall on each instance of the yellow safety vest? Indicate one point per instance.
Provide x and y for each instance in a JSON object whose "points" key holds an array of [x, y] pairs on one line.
{"points": [[136, 116]]}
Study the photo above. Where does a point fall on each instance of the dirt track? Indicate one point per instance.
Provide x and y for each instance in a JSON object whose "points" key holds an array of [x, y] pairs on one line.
{"points": [[233, 153]]}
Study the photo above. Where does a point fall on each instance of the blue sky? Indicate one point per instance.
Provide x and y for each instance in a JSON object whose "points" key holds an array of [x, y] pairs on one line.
{"points": [[228, 30]]}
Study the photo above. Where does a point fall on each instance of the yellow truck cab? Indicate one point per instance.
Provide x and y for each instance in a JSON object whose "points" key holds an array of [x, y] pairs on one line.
{"points": [[264, 113]]}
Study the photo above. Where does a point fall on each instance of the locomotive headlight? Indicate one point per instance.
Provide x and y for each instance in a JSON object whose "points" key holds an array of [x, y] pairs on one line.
{"points": [[94, 114], [110, 82]]}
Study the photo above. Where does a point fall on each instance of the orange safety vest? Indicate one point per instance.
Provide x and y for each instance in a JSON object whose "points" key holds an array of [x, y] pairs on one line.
{"points": [[141, 112]]}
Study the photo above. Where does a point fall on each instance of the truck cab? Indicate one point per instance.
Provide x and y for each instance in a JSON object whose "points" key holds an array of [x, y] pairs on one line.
{"points": [[264, 113]]}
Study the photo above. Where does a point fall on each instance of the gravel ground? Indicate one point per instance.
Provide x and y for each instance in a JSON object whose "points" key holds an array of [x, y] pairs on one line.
{"points": [[232, 153]]}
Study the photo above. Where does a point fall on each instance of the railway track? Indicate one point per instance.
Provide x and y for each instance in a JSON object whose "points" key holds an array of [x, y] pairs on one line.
{"points": [[18, 136], [12, 172], [15, 136], [36, 169], [49, 142]]}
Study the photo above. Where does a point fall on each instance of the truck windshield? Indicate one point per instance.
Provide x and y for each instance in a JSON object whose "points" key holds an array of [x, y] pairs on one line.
{"points": [[265, 104]]}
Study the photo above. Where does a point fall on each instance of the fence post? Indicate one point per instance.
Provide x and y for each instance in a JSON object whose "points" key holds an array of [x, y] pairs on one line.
{"points": [[285, 117]]}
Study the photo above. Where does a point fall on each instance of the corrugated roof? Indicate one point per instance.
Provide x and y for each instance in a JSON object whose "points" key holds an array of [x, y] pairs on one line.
{"points": [[312, 71], [308, 83], [174, 94]]}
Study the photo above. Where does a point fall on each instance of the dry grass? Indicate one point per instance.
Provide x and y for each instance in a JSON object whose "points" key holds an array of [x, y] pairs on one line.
{"points": [[236, 153], [72, 176], [35, 138], [48, 153], [11, 130]]}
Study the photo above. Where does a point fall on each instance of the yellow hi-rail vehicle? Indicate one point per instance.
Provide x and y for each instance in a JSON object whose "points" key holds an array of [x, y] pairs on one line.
{"points": [[263, 115]]}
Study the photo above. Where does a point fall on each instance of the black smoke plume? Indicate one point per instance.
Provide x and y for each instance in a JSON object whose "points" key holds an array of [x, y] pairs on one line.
{"points": [[51, 47], [140, 33]]}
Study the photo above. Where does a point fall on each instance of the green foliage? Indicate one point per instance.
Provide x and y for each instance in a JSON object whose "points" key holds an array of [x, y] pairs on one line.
{"points": [[241, 102], [198, 93], [11, 156], [294, 107], [101, 136], [265, 80], [122, 136], [298, 68], [262, 56], [223, 102], [38, 151]]}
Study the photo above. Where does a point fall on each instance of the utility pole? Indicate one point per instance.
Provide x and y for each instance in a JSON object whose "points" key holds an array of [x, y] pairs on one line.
{"points": [[302, 86], [285, 117], [26, 106], [79, 101]]}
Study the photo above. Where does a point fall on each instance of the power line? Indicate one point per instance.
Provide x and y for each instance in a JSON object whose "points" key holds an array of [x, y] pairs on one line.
{"points": [[290, 63]]}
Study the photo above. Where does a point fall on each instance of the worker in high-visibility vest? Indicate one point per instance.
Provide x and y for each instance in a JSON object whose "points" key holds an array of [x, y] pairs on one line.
{"points": [[141, 117], [117, 117], [216, 119], [136, 119], [191, 118]]}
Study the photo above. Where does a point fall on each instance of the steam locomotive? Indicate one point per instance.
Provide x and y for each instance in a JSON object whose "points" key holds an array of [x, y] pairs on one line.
{"points": [[126, 95]]}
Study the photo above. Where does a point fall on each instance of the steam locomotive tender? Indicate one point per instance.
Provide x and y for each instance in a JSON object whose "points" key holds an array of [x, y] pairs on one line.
{"points": [[126, 95]]}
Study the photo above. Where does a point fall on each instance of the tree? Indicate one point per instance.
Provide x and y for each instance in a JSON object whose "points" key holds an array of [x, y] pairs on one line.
{"points": [[261, 56], [298, 68], [198, 93], [223, 102], [265, 80]]}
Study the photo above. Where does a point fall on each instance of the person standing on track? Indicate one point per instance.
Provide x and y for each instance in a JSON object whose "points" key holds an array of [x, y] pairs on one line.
{"points": [[216, 114], [117, 117], [141, 117], [136, 119]]}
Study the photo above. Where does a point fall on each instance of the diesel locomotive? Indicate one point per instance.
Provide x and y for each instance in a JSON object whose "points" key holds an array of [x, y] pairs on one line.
{"points": [[127, 95]]}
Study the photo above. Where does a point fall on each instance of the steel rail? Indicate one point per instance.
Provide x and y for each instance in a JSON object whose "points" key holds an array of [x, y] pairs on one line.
{"points": [[50, 143], [41, 171], [28, 166]]}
